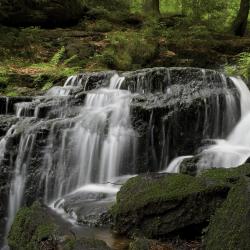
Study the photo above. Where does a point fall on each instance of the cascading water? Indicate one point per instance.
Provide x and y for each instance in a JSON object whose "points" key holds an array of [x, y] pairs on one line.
{"points": [[231, 152], [235, 150], [103, 139], [84, 136]]}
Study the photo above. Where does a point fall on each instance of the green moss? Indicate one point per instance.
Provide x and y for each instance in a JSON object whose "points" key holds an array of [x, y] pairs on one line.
{"points": [[12, 93], [229, 229], [147, 190], [230, 175], [128, 50], [30, 228]]}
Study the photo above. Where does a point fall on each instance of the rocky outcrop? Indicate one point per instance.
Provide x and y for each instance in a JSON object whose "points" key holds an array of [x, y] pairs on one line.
{"points": [[229, 228], [35, 228], [46, 13], [162, 205], [169, 108]]}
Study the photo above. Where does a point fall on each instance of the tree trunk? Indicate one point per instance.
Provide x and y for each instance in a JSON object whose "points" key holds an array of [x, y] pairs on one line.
{"points": [[240, 23], [152, 7]]}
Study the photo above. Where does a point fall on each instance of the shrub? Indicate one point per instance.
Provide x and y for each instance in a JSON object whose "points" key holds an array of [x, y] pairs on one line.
{"points": [[128, 50]]}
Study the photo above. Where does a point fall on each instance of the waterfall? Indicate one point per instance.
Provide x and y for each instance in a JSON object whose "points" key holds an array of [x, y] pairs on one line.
{"points": [[102, 140], [91, 148], [235, 149], [99, 127]]}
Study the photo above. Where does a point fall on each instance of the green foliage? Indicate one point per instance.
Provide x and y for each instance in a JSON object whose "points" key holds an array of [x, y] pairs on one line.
{"points": [[128, 50], [242, 66], [12, 93], [47, 86], [55, 60], [100, 26], [115, 5]]}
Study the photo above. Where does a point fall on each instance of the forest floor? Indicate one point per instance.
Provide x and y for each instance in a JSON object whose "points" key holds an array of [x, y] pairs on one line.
{"points": [[35, 59]]}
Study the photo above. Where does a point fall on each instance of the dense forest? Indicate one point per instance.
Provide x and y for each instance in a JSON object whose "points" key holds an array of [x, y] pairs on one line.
{"points": [[124, 125], [53, 39]]}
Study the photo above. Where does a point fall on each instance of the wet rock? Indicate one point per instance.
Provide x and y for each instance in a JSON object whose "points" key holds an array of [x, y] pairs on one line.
{"points": [[32, 229], [189, 166], [162, 205], [35, 228], [229, 228], [90, 208], [5, 124]]}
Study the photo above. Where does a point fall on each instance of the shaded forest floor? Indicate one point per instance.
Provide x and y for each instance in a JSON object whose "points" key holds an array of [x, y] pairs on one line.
{"points": [[35, 59]]}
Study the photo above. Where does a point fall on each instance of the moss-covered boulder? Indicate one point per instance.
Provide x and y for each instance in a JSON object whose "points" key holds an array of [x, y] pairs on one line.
{"points": [[157, 205], [36, 227], [227, 175], [32, 229], [229, 228]]}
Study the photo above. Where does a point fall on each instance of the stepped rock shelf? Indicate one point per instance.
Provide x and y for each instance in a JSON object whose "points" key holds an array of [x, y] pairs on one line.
{"points": [[75, 146]]}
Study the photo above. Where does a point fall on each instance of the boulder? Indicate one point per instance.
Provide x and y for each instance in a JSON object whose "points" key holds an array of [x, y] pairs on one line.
{"points": [[163, 204], [32, 229], [229, 228], [35, 227], [45, 13]]}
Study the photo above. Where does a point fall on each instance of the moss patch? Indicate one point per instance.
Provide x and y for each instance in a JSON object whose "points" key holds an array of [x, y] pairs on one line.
{"points": [[146, 189], [32, 228], [231, 175], [229, 228], [155, 205]]}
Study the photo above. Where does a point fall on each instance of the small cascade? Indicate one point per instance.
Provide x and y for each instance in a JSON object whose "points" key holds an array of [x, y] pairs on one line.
{"points": [[174, 166], [71, 83], [235, 149], [18, 181], [102, 138]]}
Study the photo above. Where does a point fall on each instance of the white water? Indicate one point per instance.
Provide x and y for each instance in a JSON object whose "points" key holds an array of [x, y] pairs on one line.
{"points": [[174, 165], [103, 139], [233, 151], [18, 181], [69, 85]]}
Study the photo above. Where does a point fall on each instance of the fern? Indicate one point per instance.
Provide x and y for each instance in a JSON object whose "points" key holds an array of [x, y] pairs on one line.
{"points": [[57, 57]]}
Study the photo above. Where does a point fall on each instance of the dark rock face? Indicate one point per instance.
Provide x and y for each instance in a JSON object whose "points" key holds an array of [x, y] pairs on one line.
{"points": [[229, 227], [21, 13], [162, 205]]}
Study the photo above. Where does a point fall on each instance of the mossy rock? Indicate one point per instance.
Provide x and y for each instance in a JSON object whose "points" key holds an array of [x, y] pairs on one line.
{"points": [[32, 229], [86, 244], [227, 175], [165, 203], [229, 228]]}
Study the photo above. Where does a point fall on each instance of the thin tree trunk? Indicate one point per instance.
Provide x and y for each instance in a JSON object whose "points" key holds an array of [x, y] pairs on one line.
{"points": [[152, 7], [240, 23]]}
